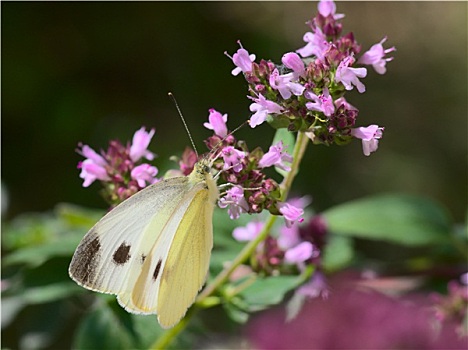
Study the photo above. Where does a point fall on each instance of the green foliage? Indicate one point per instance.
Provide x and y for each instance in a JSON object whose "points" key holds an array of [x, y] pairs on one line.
{"points": [[402, 219]]}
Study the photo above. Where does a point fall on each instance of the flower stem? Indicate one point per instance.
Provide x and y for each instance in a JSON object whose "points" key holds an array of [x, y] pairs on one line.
{"points": [[298, 152]]}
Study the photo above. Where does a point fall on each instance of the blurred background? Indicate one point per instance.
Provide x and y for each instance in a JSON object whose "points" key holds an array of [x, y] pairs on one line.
{"points": [[91, 72]]}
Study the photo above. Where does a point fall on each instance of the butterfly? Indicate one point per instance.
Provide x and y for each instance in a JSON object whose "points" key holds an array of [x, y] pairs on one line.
{"points": [[153, 249]]}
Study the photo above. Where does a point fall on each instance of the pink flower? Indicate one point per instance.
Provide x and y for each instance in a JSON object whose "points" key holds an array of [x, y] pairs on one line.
{"points": [[300, 253], [288, 237], [248, 232], [375, 57], [342, 101], [235, 200], [140, 142], [291, 213], [370, 137], [143, 174], [232, 158], [349, 76], [276, 156], [294, 62], [323, 103], [242, 60], [283, 84], [262, 107], [328, 7], [93, 168], [217, 122], [316, 44]]}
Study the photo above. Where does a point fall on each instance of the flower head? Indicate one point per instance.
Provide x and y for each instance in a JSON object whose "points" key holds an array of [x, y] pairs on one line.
{"points": [[294, 62], [327, 8], [322, 103], [316, 45], [370, 137], [93, 167], [284, 85], [242, 60], [139, 147], [248, 232], [217, 123], [262, 107], [144, 173], [236, 202], [291, 213], [349, 76], [232, 158], [276, 156], [375, 57]]}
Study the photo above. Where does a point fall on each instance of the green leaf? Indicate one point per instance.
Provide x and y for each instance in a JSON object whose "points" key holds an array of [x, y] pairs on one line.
{"points": [[402, 219], [37, 255], [102, 329], [288, 142], [50, 292], [268, 291], [338, 253], [236, 314]]}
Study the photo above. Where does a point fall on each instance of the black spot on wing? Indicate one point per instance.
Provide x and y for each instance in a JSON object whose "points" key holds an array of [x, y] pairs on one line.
{"points": [[156, 270], [85, 261], [143, 257], [122, 254]]}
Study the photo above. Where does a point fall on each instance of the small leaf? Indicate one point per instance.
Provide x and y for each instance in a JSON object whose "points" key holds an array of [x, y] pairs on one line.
{"points": [[268, 291], [402, 219], [338, 253], [101, 329], [50, 292], [37, 255], [236, 314]]}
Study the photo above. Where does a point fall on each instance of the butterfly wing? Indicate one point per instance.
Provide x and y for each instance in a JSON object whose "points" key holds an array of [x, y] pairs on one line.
{"points": [[171, 280], [112, 254]]}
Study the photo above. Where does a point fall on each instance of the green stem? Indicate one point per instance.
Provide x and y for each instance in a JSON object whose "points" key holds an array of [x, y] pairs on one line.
{"points": [[298, 152], [166, 338]]}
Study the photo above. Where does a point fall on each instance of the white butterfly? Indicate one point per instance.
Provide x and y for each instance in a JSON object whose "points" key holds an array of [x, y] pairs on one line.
{"points": [[153, 250]]}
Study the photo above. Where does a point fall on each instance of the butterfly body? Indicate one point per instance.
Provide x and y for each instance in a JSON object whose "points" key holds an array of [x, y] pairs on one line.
{"points": [[153, 249]]}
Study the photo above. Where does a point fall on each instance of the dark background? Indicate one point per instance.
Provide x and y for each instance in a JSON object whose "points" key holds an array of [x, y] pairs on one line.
{"points": [[92, 72]]}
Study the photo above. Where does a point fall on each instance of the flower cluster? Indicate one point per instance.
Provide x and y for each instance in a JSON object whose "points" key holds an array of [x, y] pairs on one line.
{"points": [[305, 92], [120, 168], [293, 248]]}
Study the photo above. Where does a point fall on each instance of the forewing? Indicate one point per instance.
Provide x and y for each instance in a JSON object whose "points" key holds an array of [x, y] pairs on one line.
{"points": [[111, 255]]}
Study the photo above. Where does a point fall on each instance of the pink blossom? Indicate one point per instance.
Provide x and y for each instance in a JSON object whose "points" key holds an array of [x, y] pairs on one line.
{"points": [[323, 103], [140, 142], [294, 62], [262, 107], [342, 101], [232, 158], [375, 57], [93, 168], [288, 237], [300, 253], [291, 213], [242, 60], [284, 85], [276, 156], [316, 44], [143, 174], [349, 76], [248, 232], [328, 7], [217, 122], [236, 202], [370, 137]]}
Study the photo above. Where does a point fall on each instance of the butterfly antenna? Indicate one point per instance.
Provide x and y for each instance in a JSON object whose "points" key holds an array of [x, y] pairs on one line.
{"points": [[215, 148], [183, 121]]}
